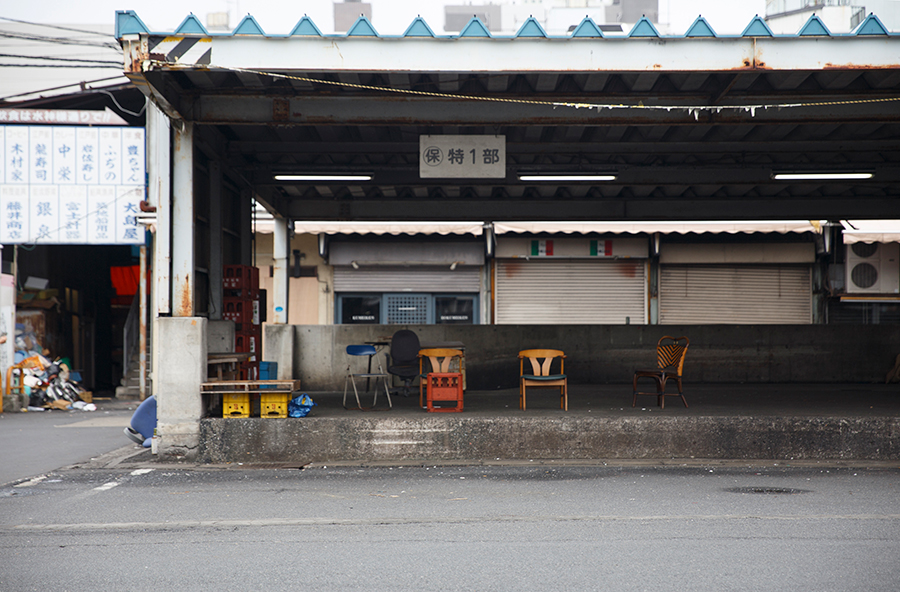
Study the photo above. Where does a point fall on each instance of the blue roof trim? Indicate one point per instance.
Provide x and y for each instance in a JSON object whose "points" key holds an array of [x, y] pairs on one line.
{"points": [[418, 28], [757, 28], [475, 28], [643, 28], [700, 28], [814, 27], [362, 28], [129, 23], [587, 28], [872, 26], [306, 26], [248, 26], [191, 25], [531, 28]]}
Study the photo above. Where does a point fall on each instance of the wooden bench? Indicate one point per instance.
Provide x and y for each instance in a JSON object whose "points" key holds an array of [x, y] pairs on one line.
{"points": [[236, 396]]}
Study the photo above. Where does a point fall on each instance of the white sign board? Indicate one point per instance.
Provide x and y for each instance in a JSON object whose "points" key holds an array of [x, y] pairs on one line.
{"points": [[71, 185], [462, 157]]}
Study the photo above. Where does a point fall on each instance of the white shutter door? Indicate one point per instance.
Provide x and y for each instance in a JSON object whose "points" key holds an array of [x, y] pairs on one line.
{"points": [[740, 294], [405, 279], [571, 292]]}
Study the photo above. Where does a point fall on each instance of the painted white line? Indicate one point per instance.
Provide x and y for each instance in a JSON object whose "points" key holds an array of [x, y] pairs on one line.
{"points": [[31, 482], [106, 486], [141, 472]]}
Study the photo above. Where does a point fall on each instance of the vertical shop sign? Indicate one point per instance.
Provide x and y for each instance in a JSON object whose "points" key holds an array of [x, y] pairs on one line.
{"points": [[71, 185]]}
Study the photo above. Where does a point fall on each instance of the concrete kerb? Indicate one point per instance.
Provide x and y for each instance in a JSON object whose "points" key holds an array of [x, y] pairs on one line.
{"points": [[324, 440], [133, 457]]}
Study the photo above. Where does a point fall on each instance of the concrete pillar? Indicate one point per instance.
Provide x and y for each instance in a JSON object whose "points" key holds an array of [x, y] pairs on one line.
{"points": [[280, 281], [280, 349], [182, 364], [182, 222]]}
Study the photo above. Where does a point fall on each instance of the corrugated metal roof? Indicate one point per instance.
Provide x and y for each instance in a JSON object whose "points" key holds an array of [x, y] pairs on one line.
{"points": [[129, 23]]}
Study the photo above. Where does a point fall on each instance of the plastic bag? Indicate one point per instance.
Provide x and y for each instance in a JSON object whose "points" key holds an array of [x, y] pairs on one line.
{"points": [[300, 406]]}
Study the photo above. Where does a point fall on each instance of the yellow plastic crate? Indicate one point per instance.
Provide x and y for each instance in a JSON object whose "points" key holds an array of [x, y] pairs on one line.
{"points": [[273, 405], [236, 405]]}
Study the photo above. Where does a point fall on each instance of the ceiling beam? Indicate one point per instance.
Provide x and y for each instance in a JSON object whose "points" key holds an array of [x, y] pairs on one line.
{"points": [[402, 110], [591, 209]]}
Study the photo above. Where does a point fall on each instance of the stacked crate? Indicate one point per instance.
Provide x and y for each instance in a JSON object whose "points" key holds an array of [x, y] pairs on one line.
{"points": [[240, 285]]}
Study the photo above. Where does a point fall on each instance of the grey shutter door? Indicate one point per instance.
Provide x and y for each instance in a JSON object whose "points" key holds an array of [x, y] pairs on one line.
{"points": [[572, 292], [406, 279], [738, 294]]}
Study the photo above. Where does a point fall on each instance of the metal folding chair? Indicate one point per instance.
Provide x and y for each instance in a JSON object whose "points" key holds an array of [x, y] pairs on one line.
{"points": [[355, 352]]}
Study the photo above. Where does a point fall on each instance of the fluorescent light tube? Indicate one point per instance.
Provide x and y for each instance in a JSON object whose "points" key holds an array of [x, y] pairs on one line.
{"points": [[562, 178], [820, 176], [323, 177]]}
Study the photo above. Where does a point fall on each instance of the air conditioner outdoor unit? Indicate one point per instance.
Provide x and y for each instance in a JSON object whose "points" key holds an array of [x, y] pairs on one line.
{"points": [[873, 268]]}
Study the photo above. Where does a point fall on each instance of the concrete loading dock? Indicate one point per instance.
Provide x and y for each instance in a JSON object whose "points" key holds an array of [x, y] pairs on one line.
{"points": [[680, 138]]}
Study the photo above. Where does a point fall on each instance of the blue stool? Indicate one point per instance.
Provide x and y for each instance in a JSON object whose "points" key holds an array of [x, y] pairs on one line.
{"points": [[365, 350]]}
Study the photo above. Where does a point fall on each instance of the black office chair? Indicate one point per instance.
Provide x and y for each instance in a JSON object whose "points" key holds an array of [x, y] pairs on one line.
{"points": [[405, 358]]}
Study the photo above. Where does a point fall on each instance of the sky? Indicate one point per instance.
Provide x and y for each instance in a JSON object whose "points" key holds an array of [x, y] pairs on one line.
{"points": [[390, 17]]}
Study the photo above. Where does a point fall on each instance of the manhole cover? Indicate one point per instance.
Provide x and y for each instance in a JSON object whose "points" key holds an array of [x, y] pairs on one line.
{"points": [[767, 490]]}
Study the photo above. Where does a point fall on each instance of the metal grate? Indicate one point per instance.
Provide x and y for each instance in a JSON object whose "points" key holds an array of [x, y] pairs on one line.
{"points": [[407, 309]]}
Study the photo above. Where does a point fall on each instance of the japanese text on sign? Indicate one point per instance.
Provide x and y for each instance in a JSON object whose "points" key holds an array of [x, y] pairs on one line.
{"points": [[71, 185], [462, 157]]}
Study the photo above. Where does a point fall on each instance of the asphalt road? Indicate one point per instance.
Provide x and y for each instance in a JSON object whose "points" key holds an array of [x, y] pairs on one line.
{"points": [[520, 527], [33, 443]]}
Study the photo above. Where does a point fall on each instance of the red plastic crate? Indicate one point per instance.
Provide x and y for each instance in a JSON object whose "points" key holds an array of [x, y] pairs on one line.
{"points": [[241, 311], [240, 277], [247, 342], [444, 387], [249, 371]]}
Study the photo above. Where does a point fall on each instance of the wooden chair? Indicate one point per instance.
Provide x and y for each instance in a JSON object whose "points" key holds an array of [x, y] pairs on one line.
{"points": [[670, 352], [541, 361], [440, 360]]}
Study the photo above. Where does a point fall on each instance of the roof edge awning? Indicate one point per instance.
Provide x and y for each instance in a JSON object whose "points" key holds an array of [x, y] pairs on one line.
{"points": [[699, 227], [871, 231], [394, 228]]}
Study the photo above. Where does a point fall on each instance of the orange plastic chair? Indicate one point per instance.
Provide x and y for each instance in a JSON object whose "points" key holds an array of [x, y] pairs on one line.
{"points": [[670, 352], [541, 376], [440, 360]]}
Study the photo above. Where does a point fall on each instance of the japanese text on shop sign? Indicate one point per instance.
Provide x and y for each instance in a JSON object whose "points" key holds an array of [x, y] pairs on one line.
{"points": [[462, 157], [71, 185]]}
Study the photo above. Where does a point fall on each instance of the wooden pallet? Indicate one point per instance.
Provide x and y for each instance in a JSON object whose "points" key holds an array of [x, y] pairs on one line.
{"points": [[236, 395]]}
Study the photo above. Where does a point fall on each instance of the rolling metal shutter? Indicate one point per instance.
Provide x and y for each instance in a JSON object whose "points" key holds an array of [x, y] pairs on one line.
{"points": [[571, 292], [407, 279], [737, 294]]}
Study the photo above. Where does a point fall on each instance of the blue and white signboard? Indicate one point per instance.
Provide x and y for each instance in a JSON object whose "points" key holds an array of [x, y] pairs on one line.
{"points": [[71, 185]]}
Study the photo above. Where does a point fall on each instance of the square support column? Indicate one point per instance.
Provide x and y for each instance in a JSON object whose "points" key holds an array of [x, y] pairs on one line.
{"points": [[182, 368], [280, 281]]}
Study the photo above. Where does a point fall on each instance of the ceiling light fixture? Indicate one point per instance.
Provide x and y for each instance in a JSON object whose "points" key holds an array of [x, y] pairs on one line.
{"points": [[566, 178], [323, 177], [820, 176]]}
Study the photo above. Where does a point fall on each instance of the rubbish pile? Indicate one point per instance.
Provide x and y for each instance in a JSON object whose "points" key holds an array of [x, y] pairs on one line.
{"points": [[47, 385]]}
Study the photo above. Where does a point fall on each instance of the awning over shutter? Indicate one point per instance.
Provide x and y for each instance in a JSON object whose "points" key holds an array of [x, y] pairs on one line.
{"points": [[427, 280], [871, 231], [739, 294], [571, 292], [395, 228], [730, 227]]}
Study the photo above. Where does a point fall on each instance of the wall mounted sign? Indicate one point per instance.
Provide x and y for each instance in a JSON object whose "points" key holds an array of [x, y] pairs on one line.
{"points": [[71, 185], [462, 157]]}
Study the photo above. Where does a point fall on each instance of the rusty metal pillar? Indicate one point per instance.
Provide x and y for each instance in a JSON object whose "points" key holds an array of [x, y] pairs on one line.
{"points": [[143, 323], [183, 220]]}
